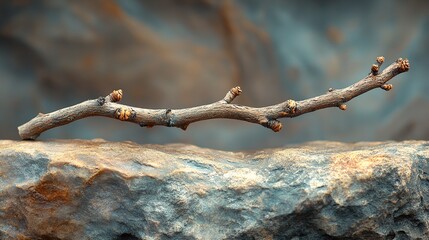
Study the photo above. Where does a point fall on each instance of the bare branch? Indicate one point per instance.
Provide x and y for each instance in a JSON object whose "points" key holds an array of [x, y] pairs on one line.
{"points": [[265, 116]]}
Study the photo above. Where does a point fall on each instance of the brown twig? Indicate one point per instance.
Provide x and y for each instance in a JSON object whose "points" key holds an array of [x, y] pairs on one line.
{"points": [[265, 116]]}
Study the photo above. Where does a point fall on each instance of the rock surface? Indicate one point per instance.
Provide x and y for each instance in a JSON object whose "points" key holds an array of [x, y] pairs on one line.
{"points": [[81, 189]]}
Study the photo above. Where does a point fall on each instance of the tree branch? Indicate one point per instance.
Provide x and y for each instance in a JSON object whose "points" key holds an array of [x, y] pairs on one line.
{"points": [[265, 116]]}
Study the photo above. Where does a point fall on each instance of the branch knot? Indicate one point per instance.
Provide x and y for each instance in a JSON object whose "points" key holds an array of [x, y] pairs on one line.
{"points": [[101, 101], [124, 114], [169, 118], [291, 106]]}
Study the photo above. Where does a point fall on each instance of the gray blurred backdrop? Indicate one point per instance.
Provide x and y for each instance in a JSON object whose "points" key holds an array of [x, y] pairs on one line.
{"points": [[175, 54]]}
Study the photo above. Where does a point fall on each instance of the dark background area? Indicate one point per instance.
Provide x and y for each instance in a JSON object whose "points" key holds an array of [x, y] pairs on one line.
{"points": [[175, 54]]}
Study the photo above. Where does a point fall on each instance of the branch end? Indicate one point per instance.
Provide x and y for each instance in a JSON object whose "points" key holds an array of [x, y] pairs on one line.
{"points": [[380, 60], [233, 93], [236, 90], [404, 64], [116, 95]]}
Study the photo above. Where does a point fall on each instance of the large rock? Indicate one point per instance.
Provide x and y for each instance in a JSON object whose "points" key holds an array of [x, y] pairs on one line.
{"points": [[104, 190]]}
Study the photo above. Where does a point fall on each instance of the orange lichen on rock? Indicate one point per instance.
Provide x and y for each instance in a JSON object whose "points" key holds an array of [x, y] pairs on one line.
{"points": [[352, 166], [52, 190]]}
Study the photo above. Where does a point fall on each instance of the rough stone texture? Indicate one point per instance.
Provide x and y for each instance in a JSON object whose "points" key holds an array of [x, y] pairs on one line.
{"points": [[80, 189], [175, 54]]}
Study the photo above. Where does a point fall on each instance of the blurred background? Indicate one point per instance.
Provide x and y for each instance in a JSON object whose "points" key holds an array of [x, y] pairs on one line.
{"points": [[176, 54]]}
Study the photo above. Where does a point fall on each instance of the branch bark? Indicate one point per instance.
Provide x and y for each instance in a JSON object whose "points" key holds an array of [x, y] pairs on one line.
{"points": [[181, 118]]}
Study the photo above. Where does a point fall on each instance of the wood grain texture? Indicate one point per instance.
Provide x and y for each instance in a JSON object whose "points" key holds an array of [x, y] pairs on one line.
{"points": [[181, 118]]}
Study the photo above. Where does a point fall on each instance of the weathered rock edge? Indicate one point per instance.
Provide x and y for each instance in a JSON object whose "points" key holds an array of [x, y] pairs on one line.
{"points": [[80, 189]]}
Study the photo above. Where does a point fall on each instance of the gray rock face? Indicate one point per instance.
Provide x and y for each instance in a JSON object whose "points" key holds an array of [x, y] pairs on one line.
{"points": [[321, 190]]}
